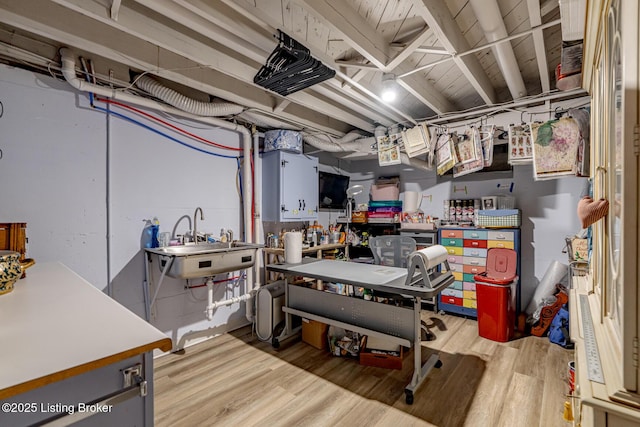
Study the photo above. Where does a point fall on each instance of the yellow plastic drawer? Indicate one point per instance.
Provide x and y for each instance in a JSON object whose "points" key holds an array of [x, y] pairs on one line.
{"points": [[454, 251], [508, 244], [470, 303], [469, 295]]}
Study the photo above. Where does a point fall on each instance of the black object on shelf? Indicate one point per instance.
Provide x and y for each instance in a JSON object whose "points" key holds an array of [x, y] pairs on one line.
{"points": [[291, 68]]}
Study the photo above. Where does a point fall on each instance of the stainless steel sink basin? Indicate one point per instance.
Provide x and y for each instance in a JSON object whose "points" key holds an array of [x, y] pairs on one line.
{"points": [[205, 259]]}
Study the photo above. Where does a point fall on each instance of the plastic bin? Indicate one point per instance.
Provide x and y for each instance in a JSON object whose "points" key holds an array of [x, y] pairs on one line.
{"points": [[496, 295]]}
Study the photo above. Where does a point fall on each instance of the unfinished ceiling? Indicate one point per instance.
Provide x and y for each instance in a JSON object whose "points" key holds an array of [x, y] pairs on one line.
{"points": [[442, 54]]}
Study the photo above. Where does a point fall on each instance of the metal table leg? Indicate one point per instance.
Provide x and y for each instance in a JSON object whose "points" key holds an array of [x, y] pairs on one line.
{"points": [[420, 371]]}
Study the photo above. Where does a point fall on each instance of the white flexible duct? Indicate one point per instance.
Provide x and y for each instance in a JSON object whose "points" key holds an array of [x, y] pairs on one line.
{"points": [[184, 103], [360, 145], [492, 24], [69, 73], [352, 141]]}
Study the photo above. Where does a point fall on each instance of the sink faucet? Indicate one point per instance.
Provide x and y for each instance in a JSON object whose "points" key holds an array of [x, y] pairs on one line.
{"points": [[188, 218], [229, 235], [195, 224]]}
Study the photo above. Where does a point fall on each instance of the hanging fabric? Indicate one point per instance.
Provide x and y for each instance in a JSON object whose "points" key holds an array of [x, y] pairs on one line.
{"points": [[446, 152], [416, 140], [520, 145], [388, 149], [487, 134], [555, 148], [476, 162]]}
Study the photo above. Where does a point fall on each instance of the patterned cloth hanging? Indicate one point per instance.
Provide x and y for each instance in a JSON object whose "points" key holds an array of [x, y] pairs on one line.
{"points": [[470, 157], [555, 148]]}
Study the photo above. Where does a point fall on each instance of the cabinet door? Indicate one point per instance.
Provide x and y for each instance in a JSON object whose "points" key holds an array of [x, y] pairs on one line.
{"points": [[299, 187]]}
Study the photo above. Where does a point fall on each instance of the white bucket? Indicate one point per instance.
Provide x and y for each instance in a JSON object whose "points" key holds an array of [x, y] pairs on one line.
{"points": [[412, 201]]}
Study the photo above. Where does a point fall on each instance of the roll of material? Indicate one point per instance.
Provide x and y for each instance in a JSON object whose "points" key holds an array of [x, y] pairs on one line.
{"points": [[556, 273], [412, 201], [433, 256], [293, 247]]}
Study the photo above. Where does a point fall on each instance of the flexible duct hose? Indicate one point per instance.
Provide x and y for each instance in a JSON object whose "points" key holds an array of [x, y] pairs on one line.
{"points": [[184, 103]]}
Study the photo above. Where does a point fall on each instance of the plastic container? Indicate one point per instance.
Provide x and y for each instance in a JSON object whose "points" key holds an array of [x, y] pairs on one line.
{"points": [[496, 295]]}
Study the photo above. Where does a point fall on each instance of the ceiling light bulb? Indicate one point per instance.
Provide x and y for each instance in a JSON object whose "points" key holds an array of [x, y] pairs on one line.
{"points": [[388, 88], [388, 95]]}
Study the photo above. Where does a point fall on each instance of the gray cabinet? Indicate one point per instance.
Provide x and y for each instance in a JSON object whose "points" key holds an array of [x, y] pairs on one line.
{"points": [[289, 187]]}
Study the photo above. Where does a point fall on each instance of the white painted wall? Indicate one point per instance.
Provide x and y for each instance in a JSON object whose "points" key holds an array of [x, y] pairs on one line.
{"points": [[71, 173]]}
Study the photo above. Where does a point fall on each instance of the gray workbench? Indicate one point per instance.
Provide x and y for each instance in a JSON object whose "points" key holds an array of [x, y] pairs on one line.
{"points": [[397, 324]]}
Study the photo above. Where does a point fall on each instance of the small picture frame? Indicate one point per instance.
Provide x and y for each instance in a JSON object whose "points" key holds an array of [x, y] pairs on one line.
{"points": [[490, 203]]}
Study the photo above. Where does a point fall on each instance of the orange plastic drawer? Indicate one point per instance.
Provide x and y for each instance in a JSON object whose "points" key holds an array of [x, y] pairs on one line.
{"points": [[468, 243], [474, 269], [451, 233]]}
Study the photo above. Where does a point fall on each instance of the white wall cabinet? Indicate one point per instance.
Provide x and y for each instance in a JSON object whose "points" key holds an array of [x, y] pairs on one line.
{"points": [[289, 187]]}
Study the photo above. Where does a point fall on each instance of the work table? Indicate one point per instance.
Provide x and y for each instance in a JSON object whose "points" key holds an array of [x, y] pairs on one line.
{"points": [[56, 326]]}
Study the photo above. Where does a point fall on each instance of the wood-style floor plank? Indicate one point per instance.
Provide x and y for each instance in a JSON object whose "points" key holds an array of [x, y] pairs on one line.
{"points": [[235, 379]]}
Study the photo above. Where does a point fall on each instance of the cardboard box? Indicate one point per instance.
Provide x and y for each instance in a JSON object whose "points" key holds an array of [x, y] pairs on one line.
{"points": [[390, 359], [315, 333]]}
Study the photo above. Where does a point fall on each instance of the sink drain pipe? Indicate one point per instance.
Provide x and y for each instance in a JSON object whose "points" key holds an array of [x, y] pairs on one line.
{"points": [[212, 305]]}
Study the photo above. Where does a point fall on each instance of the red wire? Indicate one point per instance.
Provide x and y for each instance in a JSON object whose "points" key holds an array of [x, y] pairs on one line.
{"points": [[159, 120]]}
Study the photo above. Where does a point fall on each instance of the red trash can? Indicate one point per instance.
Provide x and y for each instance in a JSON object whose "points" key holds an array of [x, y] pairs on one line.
{"points": [[496, 295]]}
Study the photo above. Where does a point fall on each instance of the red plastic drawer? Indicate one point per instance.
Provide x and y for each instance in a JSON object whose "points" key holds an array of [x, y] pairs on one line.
{"points": [[446, 299], [469, 243]]}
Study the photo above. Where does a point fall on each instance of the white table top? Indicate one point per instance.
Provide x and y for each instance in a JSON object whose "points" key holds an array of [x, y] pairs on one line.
{"points": [[55, 324]]}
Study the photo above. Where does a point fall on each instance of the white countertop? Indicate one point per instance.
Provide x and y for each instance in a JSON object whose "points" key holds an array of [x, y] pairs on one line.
{"points": [[55, 325]]}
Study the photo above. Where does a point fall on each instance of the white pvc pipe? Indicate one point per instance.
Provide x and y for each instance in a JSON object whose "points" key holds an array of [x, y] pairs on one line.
{"points": [[211, 307], [69, 72], [492, 24], [209, 311]]}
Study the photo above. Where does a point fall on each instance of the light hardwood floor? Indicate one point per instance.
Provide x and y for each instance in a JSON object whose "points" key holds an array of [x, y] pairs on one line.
{"points": [[237, 380]]}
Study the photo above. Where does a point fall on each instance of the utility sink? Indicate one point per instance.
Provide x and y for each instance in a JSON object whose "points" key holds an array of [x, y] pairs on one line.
{"points": [[205, 259]]}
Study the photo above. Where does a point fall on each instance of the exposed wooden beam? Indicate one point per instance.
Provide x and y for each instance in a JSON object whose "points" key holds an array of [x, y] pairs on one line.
{"points": [[354, 28], [410, 48], [438, 17], [533, 6], [339, 16]]}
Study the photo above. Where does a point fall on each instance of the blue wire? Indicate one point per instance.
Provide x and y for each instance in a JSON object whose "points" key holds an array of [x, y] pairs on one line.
{"points": [[122, 116], [239, 175]]}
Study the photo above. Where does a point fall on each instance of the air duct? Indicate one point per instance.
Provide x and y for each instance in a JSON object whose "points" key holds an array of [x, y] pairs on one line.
{"points": [[490, 19], [184, 103]]}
